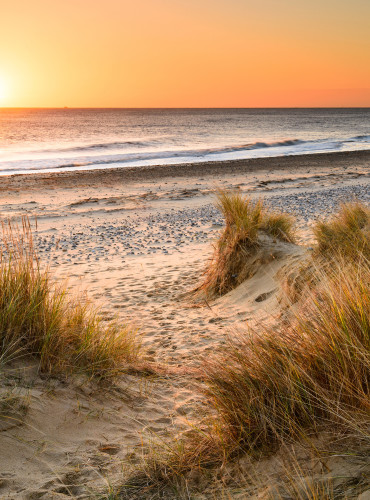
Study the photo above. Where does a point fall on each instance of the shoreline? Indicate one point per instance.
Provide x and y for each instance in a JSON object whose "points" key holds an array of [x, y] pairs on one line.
{"points": [[342, 159]]}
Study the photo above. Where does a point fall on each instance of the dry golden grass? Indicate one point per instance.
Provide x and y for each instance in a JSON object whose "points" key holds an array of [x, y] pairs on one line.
{"points": [[38, 317], [286, 381], [278, 385], [245, 221], [346, 236], [272, 384], [347, 233], [279, 225]]}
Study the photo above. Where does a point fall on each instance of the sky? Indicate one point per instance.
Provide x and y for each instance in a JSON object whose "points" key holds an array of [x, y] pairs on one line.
{"points": [[184, 53]]}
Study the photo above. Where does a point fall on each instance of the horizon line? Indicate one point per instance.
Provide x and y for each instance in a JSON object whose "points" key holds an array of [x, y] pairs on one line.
{"points": [[184, 107]]}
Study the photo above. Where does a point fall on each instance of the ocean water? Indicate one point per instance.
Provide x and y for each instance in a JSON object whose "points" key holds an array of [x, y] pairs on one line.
{"points": [[39, 140]]}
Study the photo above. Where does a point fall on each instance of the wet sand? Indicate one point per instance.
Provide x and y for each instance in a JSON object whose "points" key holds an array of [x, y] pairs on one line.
{"points": [[343, 160]]}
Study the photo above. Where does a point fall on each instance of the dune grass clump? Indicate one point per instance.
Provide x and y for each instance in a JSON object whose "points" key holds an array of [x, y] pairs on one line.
{"points": [[285, 382], [38, 317], [347, 233], [282, 383], [273, 385], [245, 221], [346, 236], [279, 225]]}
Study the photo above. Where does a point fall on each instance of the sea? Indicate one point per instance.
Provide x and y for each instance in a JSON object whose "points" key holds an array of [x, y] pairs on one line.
{"points": [[55, 140]]}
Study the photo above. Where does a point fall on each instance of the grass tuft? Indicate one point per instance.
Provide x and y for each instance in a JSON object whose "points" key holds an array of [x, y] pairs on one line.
{"points": [[279, 225], [285, 382], [240, 240], [347, 233], [273, 384], [38, 317]]}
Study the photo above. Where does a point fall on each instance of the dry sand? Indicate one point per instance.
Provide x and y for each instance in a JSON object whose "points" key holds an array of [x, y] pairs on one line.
{"points": [[138, 241]]}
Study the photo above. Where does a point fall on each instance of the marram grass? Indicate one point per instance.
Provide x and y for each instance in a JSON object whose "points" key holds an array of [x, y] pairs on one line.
{"points": [[274, 383], [246, 220], [346, 233], [281, 383], [39, 317], [274, 386], [344, 237]]}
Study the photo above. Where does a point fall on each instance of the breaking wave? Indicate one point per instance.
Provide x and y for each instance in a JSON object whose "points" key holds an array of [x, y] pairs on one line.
{"points": [[99, 155]]}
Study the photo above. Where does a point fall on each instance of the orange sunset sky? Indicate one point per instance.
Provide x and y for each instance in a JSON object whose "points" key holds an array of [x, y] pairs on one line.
{"points": [[184, 53]]}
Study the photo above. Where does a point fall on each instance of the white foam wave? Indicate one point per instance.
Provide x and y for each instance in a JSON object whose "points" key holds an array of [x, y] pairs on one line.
{"points": [[159, 155]]}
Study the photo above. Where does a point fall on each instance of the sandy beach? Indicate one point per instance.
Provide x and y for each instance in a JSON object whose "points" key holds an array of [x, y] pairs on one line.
{"points": [[138, 240], [184, 250]]}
